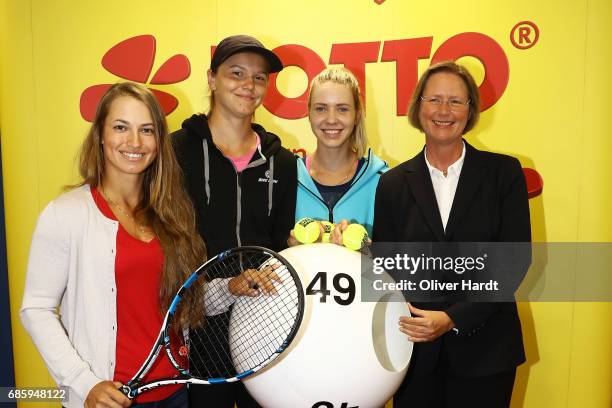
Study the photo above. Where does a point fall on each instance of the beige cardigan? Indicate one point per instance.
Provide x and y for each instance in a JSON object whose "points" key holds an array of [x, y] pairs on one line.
{"points": [[72, 265]]}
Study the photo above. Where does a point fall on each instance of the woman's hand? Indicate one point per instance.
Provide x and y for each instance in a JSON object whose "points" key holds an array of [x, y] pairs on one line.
{"points": [[292, 240], [106, 394], [336, 235], [252, 282], [425, 325]]}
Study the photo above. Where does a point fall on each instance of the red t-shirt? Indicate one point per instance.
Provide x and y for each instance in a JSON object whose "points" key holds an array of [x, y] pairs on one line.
{"points": [[138, 269]]}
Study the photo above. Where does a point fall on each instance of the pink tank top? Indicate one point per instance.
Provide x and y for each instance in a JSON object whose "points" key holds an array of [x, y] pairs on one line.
{"points": [[243, 161]]}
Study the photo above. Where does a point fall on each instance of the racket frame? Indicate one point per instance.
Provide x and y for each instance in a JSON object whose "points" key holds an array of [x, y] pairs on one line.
{"points": [[133, 388]]}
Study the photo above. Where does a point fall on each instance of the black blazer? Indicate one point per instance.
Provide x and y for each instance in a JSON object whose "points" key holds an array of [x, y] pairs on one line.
{"points": [[490, 205]]}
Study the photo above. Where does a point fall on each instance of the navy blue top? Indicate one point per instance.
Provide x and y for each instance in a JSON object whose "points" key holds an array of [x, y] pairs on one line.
{"points": [[331, 194]]}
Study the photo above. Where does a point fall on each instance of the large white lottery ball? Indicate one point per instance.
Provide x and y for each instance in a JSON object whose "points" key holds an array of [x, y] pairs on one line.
{"points": [[347, 353]]}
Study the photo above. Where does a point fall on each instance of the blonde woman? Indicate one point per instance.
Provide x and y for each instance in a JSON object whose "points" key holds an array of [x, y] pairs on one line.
{"points": [[337, 183]]}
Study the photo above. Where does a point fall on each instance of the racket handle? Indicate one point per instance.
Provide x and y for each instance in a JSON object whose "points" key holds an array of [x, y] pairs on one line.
{"points": [[125, 390]]}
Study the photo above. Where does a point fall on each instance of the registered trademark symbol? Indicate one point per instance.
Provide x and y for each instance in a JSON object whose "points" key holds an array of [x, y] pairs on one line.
{"points": [[524, 35]]}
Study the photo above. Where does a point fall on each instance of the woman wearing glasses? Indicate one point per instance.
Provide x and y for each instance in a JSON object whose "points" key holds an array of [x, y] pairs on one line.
{"points": [[465, 353]]}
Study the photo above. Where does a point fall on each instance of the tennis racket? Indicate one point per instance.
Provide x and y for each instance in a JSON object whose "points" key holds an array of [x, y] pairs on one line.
{"points": [[260, 327]]}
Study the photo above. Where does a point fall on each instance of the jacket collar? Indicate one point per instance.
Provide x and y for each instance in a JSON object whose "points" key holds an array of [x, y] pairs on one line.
{"points": [[371, 168], [418, 178], [198, 124], [472, 175]]}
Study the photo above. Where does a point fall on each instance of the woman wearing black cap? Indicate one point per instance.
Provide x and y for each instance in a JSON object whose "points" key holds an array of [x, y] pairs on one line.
{"points": [[242, 182]]}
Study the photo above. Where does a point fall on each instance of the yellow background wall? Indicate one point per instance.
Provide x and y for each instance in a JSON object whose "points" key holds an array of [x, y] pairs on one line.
{"points": [[553, 116]]}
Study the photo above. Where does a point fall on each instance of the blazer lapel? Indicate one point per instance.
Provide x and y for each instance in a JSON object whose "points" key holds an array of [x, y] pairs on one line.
{"points": [[419, 180], [472, 174]]}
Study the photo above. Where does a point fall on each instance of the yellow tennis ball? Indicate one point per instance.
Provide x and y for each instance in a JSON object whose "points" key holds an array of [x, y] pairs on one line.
{"points": [[355, 237], [328, 227], [306, 230]]}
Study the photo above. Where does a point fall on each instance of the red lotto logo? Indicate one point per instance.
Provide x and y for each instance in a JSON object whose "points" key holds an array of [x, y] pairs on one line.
{"points": [[133, 59]]}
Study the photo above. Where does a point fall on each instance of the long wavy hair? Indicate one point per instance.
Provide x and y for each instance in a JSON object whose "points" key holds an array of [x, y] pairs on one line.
{"points": [[165, 205]]}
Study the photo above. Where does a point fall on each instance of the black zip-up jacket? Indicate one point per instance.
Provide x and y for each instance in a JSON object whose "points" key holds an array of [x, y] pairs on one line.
{"points": [[252, 207]]}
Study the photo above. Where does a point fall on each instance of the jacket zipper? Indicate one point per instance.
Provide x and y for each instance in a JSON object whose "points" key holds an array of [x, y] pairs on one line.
{"points": [[256, 163], [330, 210], [238, 205]]}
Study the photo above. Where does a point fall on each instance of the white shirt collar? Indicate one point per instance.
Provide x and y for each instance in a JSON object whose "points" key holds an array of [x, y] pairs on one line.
{"points": [[454, 170]]}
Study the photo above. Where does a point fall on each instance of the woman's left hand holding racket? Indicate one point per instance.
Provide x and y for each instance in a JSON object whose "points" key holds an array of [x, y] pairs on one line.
{"points": [[252, 282]]}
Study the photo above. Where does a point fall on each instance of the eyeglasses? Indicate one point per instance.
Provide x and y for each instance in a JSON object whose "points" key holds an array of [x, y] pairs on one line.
{"points": [[453, 104]]}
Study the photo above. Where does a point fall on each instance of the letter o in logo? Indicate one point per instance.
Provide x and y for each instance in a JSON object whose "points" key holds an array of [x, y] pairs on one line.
{"points": [[489, 53], [297, 56]]}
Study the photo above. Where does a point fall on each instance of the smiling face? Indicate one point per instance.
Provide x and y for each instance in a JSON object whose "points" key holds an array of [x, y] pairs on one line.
{"points": [[441, 123], [332, 115], [239, 85], [129, 138]]}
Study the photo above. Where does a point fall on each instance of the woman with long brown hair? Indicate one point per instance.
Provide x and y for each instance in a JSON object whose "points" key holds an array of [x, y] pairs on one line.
{"points": [[111, 253]]}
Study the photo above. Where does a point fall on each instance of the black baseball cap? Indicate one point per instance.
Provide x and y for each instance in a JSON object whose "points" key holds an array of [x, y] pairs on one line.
{"points": [[243, 43]]}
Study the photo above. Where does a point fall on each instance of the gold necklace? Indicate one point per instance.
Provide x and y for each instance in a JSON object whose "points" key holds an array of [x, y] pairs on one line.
{"points": [[347, 176], [141, 229]]}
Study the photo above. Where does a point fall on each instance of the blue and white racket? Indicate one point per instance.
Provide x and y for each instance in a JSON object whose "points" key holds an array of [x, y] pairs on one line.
{"points": [[260, 327]]}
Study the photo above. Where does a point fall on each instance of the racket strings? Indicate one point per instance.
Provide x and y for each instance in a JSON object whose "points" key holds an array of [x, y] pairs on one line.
{"points": [[205, 361], [208, 356], [272, 324], [253, 331]]}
